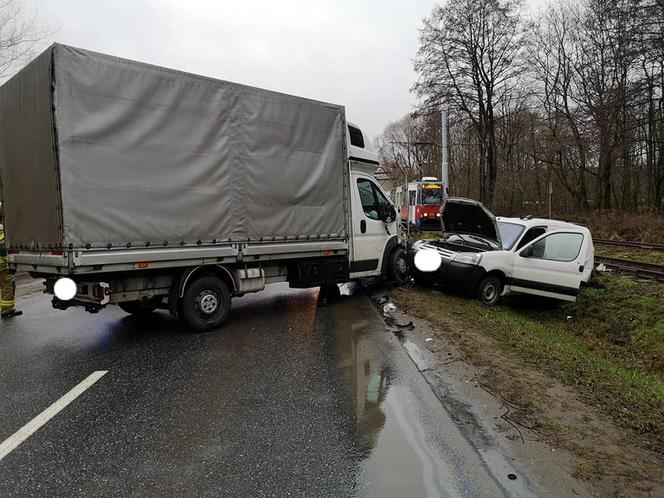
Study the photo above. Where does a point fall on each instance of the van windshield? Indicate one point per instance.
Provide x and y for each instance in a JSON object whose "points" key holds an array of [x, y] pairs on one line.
{"points": [[509, 233]]}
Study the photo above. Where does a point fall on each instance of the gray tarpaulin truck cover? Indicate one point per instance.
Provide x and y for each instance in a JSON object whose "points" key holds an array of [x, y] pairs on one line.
{"points": [[97, 150]]}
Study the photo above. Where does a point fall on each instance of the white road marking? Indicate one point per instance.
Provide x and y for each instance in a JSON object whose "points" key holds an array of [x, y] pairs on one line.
{"points": [[10, 444]]}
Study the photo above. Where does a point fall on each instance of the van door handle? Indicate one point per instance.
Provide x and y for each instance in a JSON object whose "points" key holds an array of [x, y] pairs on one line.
{"points": [[363, 226], [581, 268]]}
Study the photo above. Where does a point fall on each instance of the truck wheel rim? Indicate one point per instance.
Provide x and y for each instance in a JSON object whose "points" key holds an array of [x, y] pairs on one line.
{"points": [[207, 302], [490, 292], [402, 266]]}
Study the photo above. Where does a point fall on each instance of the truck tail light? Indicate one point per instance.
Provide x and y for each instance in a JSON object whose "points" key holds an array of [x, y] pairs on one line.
{"points": [[57, 253]]}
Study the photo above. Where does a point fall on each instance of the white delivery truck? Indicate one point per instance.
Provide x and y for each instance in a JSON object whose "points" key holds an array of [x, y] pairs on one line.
{"points": [[130, 184]]}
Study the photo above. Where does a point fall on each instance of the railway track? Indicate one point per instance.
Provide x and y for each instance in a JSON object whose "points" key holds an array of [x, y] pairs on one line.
{"points": [[650, 271], [624, 243]]}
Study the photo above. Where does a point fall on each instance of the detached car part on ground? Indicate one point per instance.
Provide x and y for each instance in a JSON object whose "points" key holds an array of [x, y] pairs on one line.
{"points": [[494, 257]]}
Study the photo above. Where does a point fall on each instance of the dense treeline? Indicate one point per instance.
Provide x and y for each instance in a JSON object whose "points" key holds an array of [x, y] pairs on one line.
{"points": [[572, 98]]}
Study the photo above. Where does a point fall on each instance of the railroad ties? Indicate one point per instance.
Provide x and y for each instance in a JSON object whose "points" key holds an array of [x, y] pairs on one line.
{"points": [[640, 269]]}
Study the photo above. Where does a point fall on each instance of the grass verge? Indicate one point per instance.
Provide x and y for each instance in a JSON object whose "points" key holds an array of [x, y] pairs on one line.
{"points": [[609, 345]]}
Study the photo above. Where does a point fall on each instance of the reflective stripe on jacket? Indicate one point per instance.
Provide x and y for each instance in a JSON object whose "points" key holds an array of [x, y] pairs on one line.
{"points": [[3, 249]]}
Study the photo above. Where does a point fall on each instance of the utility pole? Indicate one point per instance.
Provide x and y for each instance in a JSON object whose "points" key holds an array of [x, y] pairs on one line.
{"points": [[445, 166]]}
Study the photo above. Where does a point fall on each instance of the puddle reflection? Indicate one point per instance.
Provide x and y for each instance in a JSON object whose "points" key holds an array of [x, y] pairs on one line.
{"points": [[367, 374], [397, 459]]}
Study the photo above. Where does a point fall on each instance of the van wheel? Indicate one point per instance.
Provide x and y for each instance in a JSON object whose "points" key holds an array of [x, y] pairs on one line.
{"points": [[398, 270], [138, 308], [489, 289], [206, 304]]}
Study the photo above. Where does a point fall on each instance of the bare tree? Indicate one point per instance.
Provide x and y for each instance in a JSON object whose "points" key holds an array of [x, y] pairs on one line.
{"points": [[408, 148], [469, 60], [564, 137], [651, 130], [19, 35], [575, 100]]}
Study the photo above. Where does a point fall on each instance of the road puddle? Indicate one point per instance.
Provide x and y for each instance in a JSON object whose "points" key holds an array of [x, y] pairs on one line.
{"points": [[398, 459]]}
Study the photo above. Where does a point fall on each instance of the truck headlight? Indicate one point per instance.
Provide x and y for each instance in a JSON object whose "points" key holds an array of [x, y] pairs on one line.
{"points": [[469, 258], [427, 260]]}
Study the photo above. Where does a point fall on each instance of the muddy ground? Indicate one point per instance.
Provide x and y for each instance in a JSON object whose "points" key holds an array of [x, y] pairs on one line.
{"points": [[530, 415]]}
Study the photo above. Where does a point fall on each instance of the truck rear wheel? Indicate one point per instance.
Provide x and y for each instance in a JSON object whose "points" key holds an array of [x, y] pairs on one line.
{"points": [[206, 304]]}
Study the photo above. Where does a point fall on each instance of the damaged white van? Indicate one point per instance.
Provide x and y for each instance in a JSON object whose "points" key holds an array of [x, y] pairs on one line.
{"points": [[493, 257]]}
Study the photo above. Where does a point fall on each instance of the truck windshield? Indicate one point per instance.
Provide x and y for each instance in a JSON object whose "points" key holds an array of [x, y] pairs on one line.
{"points": [[509, 233], [432, 195]]}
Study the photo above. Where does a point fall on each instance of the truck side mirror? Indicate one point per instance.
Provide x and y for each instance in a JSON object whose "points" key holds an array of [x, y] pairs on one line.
{"points": [[387, 213], [392, 214]]}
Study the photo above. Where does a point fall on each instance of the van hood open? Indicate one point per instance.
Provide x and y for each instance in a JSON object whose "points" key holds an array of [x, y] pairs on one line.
{"points": [[467, 216]]}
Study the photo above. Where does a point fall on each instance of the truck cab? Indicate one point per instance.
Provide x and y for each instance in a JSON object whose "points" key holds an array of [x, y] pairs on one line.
{"points": [[375, 248]]}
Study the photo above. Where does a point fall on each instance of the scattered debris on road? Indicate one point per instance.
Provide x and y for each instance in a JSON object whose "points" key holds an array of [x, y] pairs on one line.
{"points": [[389, 309]]}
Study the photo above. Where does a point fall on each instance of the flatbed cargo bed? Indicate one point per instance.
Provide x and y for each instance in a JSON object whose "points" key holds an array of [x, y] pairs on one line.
{"points": [[93, 261]]}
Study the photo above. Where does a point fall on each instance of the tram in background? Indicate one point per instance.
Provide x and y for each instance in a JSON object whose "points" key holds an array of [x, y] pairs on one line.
{"points": [[419, 205]]}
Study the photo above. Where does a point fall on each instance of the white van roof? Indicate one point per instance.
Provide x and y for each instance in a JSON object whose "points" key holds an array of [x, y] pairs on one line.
{"points": [[536, 222]]}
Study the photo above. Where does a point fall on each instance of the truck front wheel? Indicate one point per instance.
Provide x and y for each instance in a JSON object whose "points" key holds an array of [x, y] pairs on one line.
{"points": [[206, 304], [398, 266]]}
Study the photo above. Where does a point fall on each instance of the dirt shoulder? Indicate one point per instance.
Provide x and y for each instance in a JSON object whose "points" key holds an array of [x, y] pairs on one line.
{"points": [[568, 390]]}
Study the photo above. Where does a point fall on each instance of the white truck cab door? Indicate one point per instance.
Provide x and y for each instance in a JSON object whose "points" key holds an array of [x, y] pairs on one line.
{"points": [[551, 266], [369, 231]]}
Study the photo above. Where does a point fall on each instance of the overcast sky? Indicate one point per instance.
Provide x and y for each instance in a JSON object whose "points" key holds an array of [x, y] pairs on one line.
{"points": [[357, 53]]}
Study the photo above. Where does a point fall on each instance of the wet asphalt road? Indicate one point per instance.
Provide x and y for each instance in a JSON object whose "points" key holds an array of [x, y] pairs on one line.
{"points": [[294, 396]]}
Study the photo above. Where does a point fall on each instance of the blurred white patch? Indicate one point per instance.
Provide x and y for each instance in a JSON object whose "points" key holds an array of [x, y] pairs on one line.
{"points": [[65, 289], [427, 260]]}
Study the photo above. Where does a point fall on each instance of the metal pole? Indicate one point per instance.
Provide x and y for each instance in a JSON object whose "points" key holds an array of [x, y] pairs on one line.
{"points": [[407, 199], [445, 167], [550, 199]]}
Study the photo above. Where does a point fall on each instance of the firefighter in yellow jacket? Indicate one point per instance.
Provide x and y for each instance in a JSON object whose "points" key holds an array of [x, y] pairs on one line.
{"points": [[7, 283]]}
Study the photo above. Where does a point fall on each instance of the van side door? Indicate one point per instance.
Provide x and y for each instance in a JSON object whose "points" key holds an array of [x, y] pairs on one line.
{"points": [[551, 265]]}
